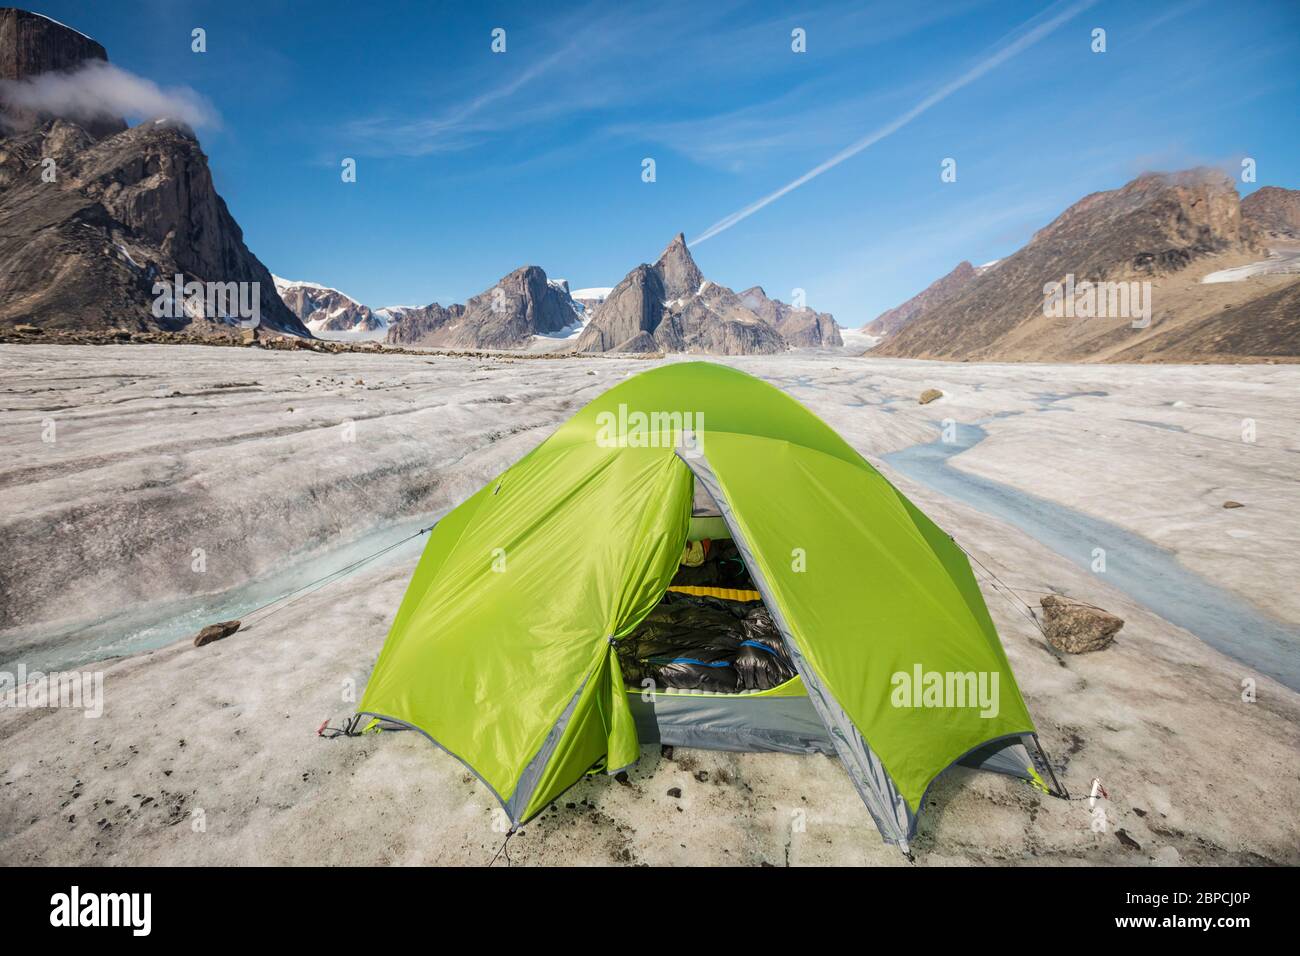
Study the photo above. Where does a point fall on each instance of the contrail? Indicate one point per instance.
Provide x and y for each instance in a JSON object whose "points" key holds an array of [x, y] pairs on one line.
{"points": [[1023, 42]]}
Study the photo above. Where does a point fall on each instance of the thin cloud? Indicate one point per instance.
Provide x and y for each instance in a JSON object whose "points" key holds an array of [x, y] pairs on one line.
{"points": [[457, 128], [99, 90], [738, 139], [1025, 40], [604, 65], [508, 105]]}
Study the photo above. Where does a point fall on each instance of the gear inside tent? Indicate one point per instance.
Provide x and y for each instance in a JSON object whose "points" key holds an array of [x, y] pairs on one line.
{"points": [[696, 559]]}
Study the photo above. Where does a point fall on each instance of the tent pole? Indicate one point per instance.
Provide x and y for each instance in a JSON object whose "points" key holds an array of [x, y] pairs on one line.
{"points": [[1060, 790]]}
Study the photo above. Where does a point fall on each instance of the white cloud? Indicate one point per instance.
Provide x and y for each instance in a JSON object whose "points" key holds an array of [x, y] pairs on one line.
{"points": [[100, 90]]}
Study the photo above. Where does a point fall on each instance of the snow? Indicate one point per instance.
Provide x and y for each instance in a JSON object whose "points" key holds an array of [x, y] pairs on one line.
{"points": [[1279, 262], [354, 334], [858, 340], [570, 331], [122, 249], [282, 285], [66, 27], [391, 313], [596, 293]]}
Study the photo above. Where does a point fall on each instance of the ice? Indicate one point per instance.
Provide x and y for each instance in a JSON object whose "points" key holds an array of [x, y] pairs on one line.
{"points": [[1279, 262], [159, 450], [599, 293]]}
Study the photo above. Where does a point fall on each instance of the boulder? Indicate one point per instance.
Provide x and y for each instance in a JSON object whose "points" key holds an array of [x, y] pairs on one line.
{"points": [[215, 632], [930, 395], [1075, 628], [1233, 504]]}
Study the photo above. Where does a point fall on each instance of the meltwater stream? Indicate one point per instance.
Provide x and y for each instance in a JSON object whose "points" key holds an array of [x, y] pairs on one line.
{"points": [[156, 625], [1148, 573]]}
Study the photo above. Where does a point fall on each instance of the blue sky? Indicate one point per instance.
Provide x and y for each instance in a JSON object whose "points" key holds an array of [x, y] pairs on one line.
{"points": [[471, 163]]}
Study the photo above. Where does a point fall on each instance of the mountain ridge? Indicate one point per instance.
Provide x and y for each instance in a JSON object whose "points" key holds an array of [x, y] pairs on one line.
{"points": [[522, 304], [1162, 231]]}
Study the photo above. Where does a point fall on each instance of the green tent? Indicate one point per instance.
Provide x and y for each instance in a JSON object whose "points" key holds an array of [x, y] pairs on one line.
{"points": [[504, 649]]}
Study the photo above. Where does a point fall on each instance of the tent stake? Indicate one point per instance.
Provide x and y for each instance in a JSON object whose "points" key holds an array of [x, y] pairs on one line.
{"points": [[1060, 790], [503, 849]]}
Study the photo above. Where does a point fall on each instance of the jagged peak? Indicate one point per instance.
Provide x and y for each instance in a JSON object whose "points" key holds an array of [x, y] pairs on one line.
{"points": [[681, 276], [676, 250], [677, 242]]}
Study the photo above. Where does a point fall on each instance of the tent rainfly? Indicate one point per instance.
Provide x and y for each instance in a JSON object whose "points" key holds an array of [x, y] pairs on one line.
{"points": [[504, 651]]}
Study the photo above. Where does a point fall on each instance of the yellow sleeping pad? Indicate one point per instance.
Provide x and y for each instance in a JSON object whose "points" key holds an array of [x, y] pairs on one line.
{"points": [[726, 594]]}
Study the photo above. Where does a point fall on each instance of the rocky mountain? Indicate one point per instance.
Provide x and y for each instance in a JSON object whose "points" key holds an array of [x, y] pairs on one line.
{"points": [[938, 291], [420, 325], [677, 270], [1276, 211], [97, 219], [1158, 236], [671, 307], [323, 309], [506, 316], [801, 327]]}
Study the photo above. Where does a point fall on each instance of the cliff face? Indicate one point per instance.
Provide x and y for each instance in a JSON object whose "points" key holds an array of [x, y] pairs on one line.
{"points": [[630, 314], [93, 214], [30, 45], [422, 325]]}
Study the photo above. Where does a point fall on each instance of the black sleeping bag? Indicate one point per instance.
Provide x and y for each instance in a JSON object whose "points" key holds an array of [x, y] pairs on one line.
{"points": [[681, 625], [761, 661], [708, 670], [704, 643]]}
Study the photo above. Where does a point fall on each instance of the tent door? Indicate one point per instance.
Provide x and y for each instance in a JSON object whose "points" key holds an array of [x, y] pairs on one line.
{"points": [[893, 818]]}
